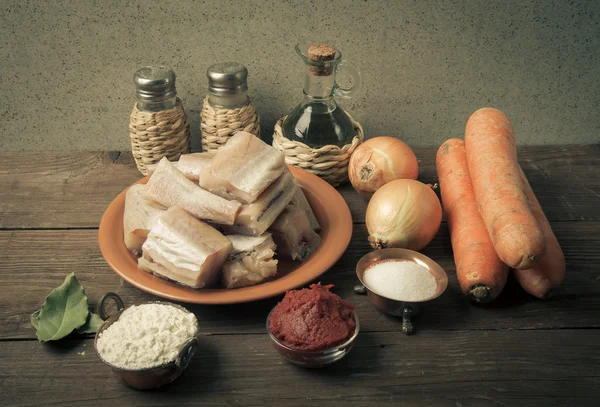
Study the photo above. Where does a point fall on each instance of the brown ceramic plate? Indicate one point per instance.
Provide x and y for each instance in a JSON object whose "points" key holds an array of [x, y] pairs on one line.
{"points": [[328, 205]]}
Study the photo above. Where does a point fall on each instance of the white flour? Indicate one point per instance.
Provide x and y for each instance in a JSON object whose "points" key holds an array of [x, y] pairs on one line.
{"points": [[146, 335], [401, 280]]}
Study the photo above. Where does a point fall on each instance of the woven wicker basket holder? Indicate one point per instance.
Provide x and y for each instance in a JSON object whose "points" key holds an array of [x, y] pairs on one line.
{"points": [[155, 135], [328, 162], [217, 125]]}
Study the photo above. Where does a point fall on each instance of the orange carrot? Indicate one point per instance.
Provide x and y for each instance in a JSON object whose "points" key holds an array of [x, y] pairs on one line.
{"points": [[550, 271], [492, 157], [480, 271]]}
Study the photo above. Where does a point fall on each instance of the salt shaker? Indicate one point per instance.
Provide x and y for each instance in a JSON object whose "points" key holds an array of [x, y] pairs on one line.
{"points": [[158, 125], [227, 108]]}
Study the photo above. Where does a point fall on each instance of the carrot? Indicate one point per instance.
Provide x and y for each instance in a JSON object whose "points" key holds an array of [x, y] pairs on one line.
{"points": [[480, 271], [550, 271], [492, 157]]}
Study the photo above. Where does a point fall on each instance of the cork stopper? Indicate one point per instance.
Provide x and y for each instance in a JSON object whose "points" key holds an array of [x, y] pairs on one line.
{"points": [[321, 52]]}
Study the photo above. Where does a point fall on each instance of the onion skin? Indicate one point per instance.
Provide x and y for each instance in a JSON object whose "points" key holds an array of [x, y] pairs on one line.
{"points": [[378, 161], [403, 213]]}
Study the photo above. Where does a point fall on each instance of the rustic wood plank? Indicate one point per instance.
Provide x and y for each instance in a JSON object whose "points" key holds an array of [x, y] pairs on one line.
{"points": [[61, 190], [507, 368], [72, 190], [32, 263]]}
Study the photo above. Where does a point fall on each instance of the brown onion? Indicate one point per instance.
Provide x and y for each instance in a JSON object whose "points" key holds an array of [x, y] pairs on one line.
{"points": [[403, 213], [380, 160]]}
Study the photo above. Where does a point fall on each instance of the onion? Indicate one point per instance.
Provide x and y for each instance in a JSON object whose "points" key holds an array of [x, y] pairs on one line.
{"points": [[378, 161], [403, 213]]}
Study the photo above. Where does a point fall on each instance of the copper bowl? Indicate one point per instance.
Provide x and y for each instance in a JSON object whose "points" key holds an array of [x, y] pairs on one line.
{"points": [[395, 307], [152, 377]]}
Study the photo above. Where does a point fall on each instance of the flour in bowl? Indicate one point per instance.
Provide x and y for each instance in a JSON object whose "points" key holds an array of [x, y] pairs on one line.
{"points": [[401, 280], [146, 335]]}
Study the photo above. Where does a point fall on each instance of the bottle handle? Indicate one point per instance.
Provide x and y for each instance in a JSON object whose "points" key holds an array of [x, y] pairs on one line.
{"points": [[356, 78]]}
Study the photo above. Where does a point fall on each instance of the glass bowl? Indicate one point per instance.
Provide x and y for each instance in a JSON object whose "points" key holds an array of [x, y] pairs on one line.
{"points": [[155, 376], [317, 358]]}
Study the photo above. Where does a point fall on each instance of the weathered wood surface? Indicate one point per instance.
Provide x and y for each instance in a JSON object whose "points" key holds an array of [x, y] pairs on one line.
{"points": [[472, 368], [35, 261], [72, 190], [519, 351]]}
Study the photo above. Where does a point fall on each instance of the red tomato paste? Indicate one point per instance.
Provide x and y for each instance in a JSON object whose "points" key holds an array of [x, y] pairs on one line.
{"points": [[312, 319]]}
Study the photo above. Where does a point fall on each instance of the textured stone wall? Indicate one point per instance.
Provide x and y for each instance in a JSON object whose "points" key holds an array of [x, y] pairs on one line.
{"points": [[66, 66]]}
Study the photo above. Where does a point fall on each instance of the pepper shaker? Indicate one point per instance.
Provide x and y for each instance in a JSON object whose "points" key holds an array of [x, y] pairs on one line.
{"points": [[158, 125], [227, 108]]}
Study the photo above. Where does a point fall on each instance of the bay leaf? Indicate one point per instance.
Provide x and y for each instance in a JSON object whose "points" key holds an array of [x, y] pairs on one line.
{"points": [[34, 319], [65, 309], [92, 324]]}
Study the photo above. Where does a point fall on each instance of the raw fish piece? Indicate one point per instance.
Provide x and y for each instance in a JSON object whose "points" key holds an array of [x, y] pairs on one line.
{"points": [[256, 217], [243, 168], [138, 217], [293, 235], [250, 262], [299, 200], [184, 249], [169, 187], [150, 168], [190, 165]]}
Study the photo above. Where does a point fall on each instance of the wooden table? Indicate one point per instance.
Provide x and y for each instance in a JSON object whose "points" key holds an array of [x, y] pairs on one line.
{"points": [[518, 351]]}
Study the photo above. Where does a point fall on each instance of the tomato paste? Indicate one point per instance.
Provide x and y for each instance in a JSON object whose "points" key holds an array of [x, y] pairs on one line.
{"points": [[312, 319]]}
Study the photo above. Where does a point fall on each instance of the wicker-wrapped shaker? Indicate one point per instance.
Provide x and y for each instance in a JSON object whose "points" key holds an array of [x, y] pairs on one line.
{"points": [[158, 125], [227, 108]]}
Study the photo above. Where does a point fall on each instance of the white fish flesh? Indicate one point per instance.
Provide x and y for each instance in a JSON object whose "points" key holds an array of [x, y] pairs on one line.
{"points": [[256, 217], [243, 168], [169, 187], [150, 168], [251, 261], [190, 165], [293, 234], [138, 217], [184, 249], [299, 200]]}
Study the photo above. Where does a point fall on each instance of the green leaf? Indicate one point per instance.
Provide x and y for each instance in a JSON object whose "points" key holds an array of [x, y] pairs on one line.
{"points": [[65, 309], [92, 324], [34, 319]]}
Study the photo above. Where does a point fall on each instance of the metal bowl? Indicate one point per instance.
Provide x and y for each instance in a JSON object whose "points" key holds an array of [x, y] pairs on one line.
{"points": [[395, 307], [153, 377], [313, 359]]}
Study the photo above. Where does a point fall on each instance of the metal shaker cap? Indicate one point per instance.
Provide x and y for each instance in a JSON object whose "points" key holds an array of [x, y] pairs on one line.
{"points": [[154, 83], [227, 78]]}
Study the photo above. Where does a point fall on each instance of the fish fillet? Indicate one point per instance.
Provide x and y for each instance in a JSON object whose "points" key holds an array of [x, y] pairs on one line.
{"points": [[138, 217], [293, 235], [251, 261], [243, 168], [150, 168], [184, 249], [190, 165], [299, 200], [255, 218], [169, 187]]}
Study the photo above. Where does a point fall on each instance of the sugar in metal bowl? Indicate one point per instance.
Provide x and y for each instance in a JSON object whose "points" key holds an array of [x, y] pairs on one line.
{"points": [[403, 303], [151, 377]]}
